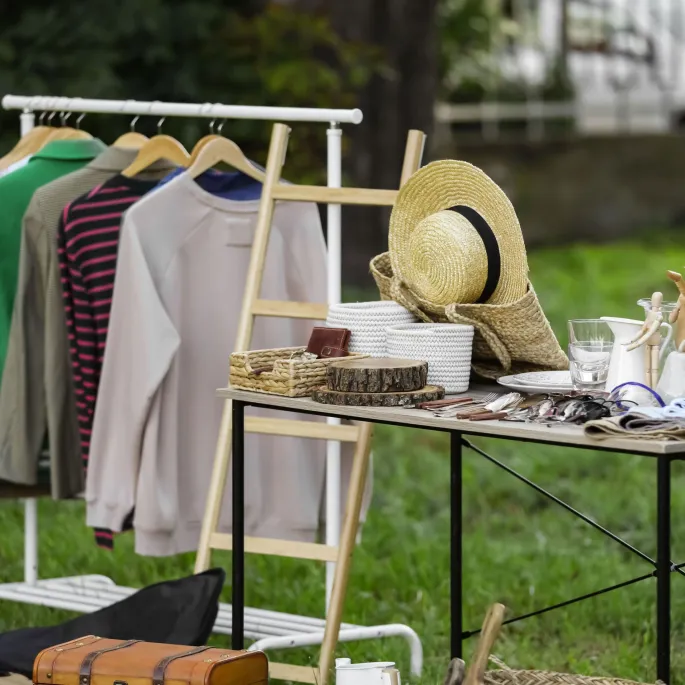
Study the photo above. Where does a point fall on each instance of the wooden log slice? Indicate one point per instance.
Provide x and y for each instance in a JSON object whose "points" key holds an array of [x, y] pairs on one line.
{"points": [[378, 399], [377, 375]]}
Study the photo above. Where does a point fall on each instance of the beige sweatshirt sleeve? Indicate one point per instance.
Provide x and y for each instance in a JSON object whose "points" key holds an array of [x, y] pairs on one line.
{"points": [[141, 344]]}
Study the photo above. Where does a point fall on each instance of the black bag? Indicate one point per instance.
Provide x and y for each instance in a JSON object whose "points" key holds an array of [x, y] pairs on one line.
{"points": [[180, 612]]}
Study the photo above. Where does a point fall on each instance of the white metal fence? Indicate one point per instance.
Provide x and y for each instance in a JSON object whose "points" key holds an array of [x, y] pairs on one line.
{"points": [[624, 59]]}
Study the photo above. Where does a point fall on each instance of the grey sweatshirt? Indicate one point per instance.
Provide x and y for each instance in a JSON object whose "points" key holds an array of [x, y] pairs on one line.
{"points": [[181, 271]]}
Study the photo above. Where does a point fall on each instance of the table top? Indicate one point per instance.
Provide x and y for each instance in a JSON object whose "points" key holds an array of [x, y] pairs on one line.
{"points": [[570, 436]]}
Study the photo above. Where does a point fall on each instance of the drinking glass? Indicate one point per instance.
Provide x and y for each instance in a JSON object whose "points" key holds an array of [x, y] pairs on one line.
{"points": [[589, 353]]}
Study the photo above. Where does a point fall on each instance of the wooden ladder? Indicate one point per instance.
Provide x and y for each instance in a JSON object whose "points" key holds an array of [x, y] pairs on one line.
{"points": [[210, 538]]}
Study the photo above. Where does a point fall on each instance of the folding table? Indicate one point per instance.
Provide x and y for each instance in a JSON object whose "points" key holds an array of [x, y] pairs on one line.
{"points": [[664, 453]]}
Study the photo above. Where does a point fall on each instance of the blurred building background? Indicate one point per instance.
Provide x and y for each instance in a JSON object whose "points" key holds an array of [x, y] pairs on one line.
{"points": [[576, 107]]}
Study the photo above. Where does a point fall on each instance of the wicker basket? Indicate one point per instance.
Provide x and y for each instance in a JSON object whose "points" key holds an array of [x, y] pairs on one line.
{"points": [[476, 672], [287, 373], [509, 676]]}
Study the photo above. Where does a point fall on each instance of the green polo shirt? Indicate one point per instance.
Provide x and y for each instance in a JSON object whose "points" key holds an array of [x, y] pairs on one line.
{"points": [[16, 189]]}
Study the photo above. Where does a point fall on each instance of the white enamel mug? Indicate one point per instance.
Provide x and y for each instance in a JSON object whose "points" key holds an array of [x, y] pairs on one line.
{"points": [[372, 673]]}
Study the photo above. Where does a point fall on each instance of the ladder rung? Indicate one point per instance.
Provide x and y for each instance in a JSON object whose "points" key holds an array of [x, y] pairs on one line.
{"points": [[278, 548], [295, 674], [290, 310], [300, 429], [338, 196]]}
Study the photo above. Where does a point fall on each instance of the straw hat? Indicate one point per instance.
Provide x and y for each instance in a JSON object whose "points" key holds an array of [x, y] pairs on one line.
{"points": [[455, 238]]}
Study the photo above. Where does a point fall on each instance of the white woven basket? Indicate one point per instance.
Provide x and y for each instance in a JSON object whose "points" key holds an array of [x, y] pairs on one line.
{"points": [[368, 322], [446, 348]]}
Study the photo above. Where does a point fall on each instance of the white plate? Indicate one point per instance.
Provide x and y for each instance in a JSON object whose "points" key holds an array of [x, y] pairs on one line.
{"points": [[539, 381], [542, 378]]}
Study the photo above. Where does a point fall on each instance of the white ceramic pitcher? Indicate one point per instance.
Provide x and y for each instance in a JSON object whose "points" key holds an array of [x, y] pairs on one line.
{"points": [[372, 673], [628, 366]]}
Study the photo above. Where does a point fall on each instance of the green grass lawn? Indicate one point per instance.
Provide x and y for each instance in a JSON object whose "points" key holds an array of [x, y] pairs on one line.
{"points": [[519, 549]]}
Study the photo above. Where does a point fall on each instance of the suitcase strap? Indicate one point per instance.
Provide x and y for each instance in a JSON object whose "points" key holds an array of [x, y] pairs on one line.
{"points": [[160, 669], [87, 664]]}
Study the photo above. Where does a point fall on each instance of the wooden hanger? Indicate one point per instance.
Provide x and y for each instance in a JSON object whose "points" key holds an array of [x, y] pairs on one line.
{"points": [[222, 150], [27, 145], [157, 148], [213, 134], [132, 140], [67, 133], [200, 145]]}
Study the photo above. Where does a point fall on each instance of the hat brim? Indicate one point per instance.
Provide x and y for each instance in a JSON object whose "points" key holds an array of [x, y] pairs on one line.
{"points": [[445, 184]]}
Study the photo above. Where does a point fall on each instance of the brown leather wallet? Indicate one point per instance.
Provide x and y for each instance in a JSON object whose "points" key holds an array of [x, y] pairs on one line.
{"points": [[334, 338]]}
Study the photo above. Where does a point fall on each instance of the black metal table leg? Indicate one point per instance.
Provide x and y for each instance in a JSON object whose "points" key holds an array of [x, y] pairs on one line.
{"points": [[663, 570], [455, 543], [238, 527]]}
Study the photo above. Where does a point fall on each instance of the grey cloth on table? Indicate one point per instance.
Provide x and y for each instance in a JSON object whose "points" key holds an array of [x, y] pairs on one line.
{"points": [[37, 388], [636, 426]]}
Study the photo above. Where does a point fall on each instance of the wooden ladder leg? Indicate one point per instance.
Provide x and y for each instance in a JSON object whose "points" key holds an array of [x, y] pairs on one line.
{"points": [[413, 152], [348, 539], [217, 484]]}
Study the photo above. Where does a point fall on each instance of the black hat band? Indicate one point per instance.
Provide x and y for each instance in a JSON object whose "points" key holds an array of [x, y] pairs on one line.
{"points": [[487, 235]]}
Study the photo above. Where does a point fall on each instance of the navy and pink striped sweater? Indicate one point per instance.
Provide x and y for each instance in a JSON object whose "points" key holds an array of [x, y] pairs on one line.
{"points": [[87, 242]]}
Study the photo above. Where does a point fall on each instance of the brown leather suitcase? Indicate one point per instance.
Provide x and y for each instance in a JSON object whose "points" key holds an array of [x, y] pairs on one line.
{"points": [[99, 661]]}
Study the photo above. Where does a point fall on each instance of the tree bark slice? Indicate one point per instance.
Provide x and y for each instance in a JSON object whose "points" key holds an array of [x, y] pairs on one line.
{"points": [[377, 375], [378, 399]]}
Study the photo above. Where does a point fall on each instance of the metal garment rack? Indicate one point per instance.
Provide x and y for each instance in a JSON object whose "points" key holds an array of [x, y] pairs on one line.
{"points": [[91, 592]]}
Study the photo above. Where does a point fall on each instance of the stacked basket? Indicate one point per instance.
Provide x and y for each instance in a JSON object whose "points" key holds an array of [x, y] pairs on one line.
{"points": [[368, 323], [446, 348]]}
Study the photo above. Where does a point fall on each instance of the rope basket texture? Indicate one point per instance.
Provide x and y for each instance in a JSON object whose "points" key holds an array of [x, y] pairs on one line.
{"points": [[280, 371], [368, 323], [504, 675], [446, 348]]}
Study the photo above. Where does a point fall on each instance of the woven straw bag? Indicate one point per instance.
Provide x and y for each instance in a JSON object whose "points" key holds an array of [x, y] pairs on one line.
{"points": [[368, 323], [446, 348], [509, 338], [286, 372]]}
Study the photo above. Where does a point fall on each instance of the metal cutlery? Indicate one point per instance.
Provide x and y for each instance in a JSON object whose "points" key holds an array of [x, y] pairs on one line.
{"points": [[467, 408], [499, 408]]}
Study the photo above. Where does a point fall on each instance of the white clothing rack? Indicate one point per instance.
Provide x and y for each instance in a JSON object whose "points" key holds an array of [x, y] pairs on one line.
{"points": [[88, 593], [43, 103]]}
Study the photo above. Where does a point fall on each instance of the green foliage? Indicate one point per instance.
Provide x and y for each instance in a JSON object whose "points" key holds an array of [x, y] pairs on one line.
{"points": [[475, 36], [233, 52], [587, 281], [467, 30], [283, 57]]}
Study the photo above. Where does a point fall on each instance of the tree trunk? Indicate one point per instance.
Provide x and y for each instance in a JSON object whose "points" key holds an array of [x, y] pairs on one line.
{"points": [[377, 375], [400, 98], [378, 399]]}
